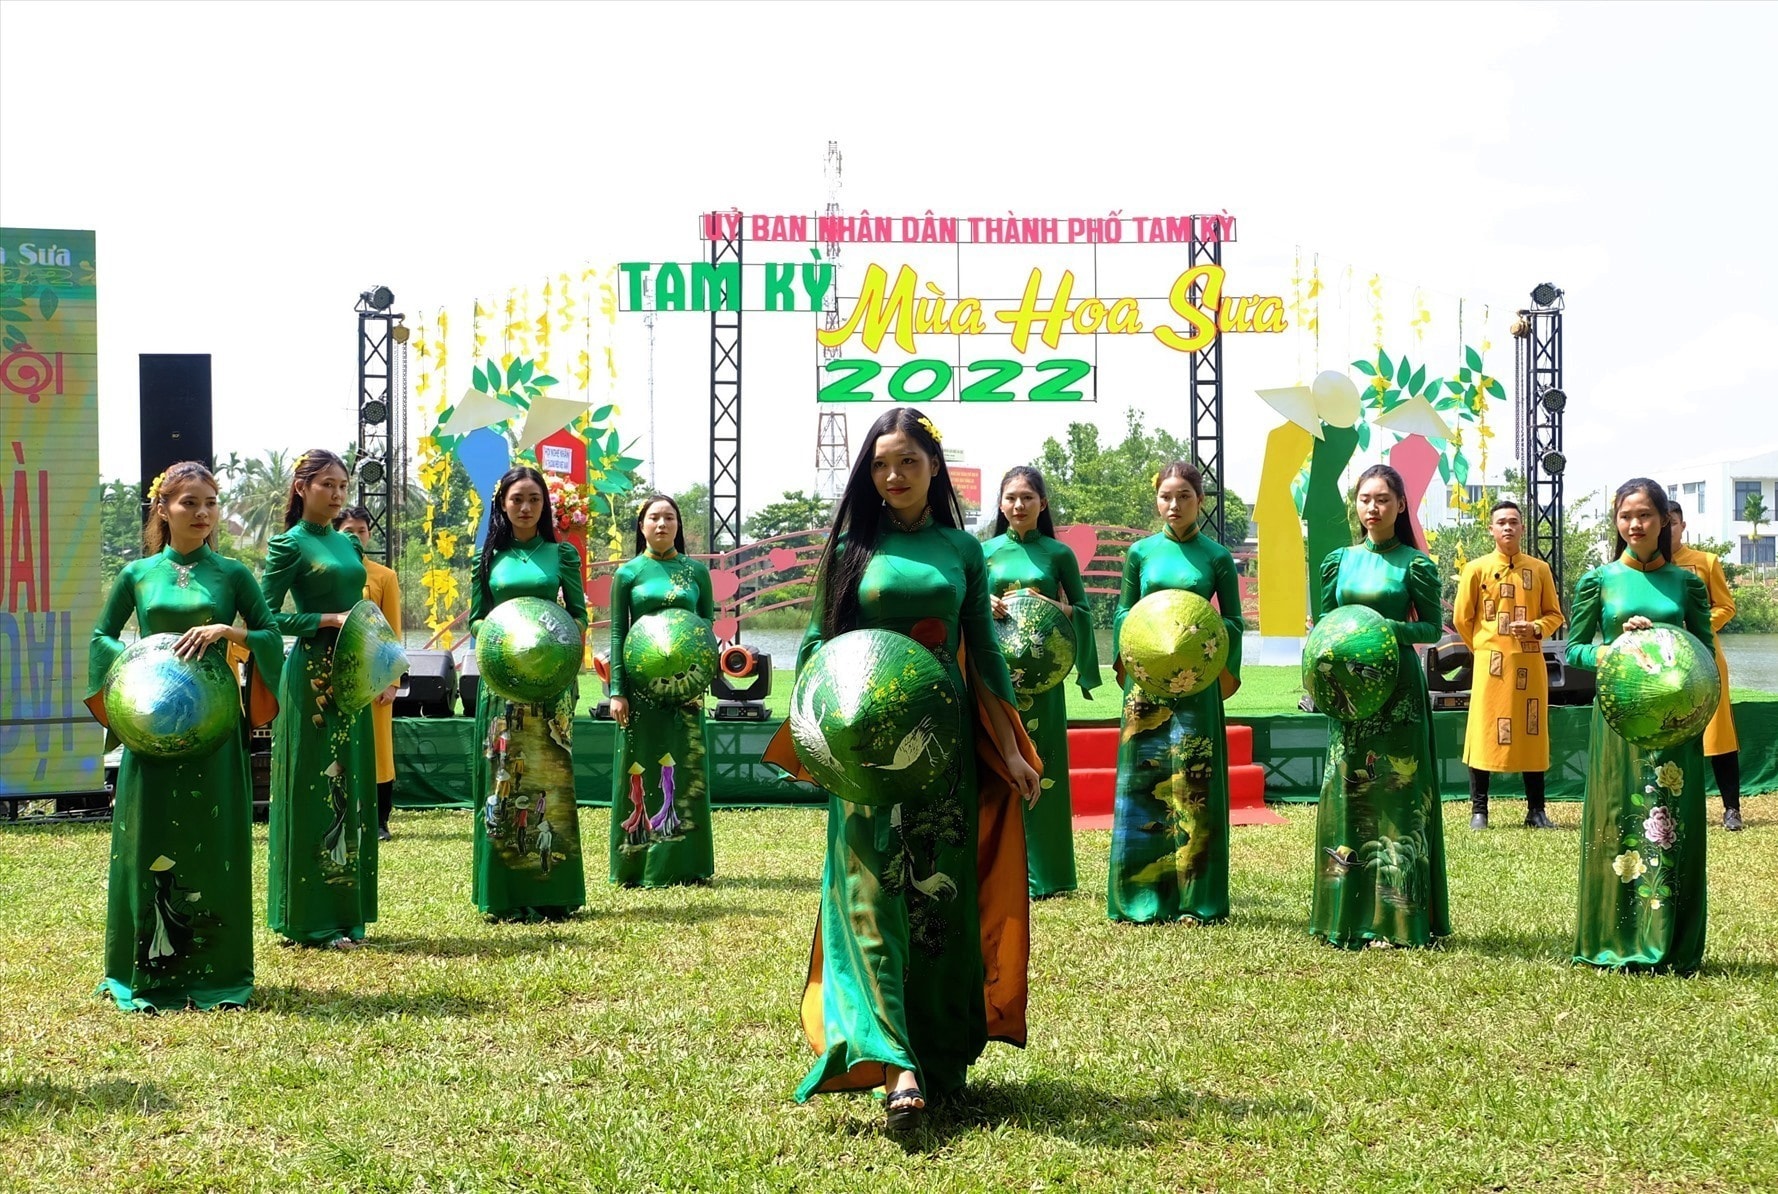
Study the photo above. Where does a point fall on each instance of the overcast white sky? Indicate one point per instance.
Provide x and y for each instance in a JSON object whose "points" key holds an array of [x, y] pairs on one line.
{"points": [[249, 168]]}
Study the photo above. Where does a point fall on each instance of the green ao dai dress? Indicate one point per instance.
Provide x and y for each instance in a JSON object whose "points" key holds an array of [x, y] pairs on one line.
{"points": [[527, 859], [1379, 830], [899, 977], [323, 831], [1170, 820], [660, 794], [1034, 560], [179, 905], [1642, 893]]}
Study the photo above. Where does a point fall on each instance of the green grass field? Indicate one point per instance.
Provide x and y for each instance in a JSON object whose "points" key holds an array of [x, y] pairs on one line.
{"points": [[652, 1042]]}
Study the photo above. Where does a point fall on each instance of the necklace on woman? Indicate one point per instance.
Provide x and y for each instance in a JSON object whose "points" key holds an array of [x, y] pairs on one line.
{"points": [[919, 524], [181, 573]]}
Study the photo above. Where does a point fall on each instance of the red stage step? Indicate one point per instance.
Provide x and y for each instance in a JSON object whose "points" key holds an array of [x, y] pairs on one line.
{"points": [[1092, 777]]}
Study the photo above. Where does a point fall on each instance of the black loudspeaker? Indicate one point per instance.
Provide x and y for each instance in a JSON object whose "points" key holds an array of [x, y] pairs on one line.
{"points": [[469, 682], [1568, 685], [429, 689], [175, 408]]}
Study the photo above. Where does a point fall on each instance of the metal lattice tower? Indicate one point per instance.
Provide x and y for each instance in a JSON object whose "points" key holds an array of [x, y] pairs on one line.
{"points": [[379, 432], [725, 405], [1539, 403], [1206, 398], [833, 454]]}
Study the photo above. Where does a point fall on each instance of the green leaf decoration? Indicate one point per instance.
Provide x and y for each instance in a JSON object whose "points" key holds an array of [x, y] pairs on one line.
{"points": [[1444, 470], [1460, 466], [1404, 371], [479, 380], [1046, 784], [1473, 358], [1496, 389], [1385, 368], [1365, 367], [1364, 435], [600, 414], [1418, 380], [47, 301], [1455, 387], [543, 381]]}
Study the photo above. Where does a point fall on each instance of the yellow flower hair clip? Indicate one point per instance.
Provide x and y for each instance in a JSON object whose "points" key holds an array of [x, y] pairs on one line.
{"points": [[930, 429], [1155, 481], [154, 487]]}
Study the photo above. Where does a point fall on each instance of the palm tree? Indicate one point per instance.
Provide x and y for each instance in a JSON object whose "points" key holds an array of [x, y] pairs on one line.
{"points": [[257, 499]]}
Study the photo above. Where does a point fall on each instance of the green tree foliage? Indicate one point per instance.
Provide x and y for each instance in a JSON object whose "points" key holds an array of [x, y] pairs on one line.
{"points": [[694, 508], [1113, 486], [120, 528], [798, 511]]}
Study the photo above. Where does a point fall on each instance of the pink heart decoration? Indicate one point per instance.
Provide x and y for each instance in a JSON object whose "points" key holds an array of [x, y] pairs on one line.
{"points": [[599, 592], [1083, 541], [783, 559], [724, 584], [727, 629]]}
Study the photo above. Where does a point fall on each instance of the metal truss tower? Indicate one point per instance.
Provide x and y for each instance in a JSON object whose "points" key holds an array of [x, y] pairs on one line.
{"points": [[725, 406], [1206, 400], [833, 455], [381, 471], [1539, 403]]}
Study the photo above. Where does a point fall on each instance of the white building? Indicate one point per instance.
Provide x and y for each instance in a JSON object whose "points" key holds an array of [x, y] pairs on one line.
{"points": [[1715, 492]]}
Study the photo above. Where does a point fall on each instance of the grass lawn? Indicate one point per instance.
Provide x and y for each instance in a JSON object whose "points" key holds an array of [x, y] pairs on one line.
{"points": [[652, 1043]]}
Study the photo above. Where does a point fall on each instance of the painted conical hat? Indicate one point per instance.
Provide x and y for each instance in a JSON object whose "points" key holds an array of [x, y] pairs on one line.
{"points": [[367, 658], [528, 650], [1350, 663], [876, 719], [1658, 687], [1038, 642], [669, 657], [165, 707], [1173, 644]]}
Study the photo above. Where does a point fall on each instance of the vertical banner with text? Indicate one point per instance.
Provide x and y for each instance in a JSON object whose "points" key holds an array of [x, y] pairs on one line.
{"points": [[49, 511]]}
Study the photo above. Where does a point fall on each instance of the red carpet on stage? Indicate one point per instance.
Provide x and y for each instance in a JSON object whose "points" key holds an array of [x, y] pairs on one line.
{"points": [[1092, 778]]}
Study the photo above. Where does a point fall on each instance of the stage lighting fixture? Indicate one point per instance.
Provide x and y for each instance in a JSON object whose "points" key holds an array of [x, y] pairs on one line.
{"points": [[371, 472], [398, 333], [1554, 401], [1554, 463], [378, 298], [1545, 294], [374, 411]]}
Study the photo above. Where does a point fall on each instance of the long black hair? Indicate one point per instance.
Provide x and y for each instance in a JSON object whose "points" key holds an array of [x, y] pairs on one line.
{"points": [[1404, 526], [1657, 497], [854, 537], [500, 526], [642, 512], [309, 465], [1033, 478]]}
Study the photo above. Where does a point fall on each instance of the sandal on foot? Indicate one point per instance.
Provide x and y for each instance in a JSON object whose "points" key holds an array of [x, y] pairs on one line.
{"points": [[905, 1109], [342, 943]]}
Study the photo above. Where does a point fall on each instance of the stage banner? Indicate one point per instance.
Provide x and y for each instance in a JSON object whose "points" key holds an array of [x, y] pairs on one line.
{"points": [[49, 511]]}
